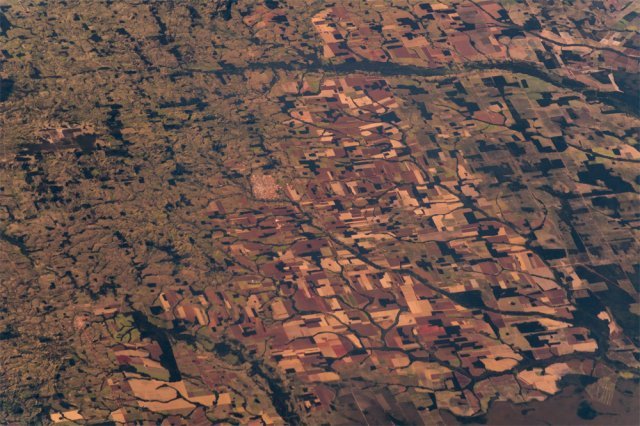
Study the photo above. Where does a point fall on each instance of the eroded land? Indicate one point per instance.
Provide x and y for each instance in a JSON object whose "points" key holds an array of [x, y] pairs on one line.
{"points": [[356, 212]]}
